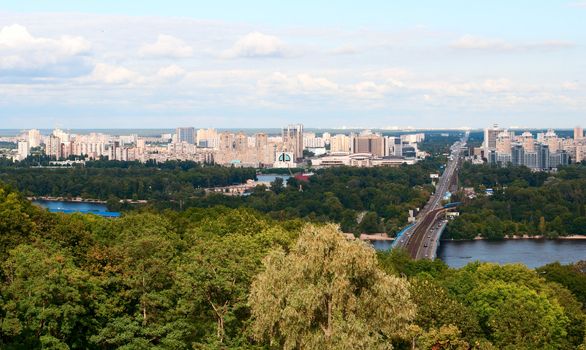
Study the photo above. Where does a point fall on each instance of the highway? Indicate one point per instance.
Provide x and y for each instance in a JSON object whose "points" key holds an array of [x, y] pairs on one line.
{"points": [[420, 241]]}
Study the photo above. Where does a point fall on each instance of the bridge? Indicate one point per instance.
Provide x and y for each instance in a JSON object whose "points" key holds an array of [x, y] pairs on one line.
{"points": [[422, 238]]}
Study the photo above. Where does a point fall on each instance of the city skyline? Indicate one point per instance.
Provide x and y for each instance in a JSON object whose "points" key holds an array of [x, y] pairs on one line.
{"points": [[263, 64]]}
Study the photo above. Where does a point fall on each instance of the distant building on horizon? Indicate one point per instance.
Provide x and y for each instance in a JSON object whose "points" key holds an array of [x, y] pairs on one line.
{"points": [[186, 135], [293, 140], [578, 133], [546, 152]]}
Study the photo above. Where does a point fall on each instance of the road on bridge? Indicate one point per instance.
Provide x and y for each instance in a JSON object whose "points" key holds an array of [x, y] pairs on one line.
{"points": [[420, 241]]}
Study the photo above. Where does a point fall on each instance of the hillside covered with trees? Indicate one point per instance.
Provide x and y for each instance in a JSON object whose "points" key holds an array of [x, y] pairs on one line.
{"points": [[219, 278], [524, 203]]}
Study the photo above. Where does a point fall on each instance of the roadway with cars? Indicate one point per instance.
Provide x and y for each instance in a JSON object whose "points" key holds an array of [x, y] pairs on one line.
{"points": [[420, 241]]}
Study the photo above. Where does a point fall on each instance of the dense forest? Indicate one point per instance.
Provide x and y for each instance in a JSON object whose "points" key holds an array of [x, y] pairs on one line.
{"points": [[524, 202], [220, 278], [126, 180], [360, 199]]}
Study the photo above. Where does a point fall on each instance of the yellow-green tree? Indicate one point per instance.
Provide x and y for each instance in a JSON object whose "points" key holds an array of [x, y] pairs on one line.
{"points": [[328, 293]]}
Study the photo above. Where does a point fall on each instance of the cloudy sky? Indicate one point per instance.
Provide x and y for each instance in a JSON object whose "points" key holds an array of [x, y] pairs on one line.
{"points": [[255, 63]]}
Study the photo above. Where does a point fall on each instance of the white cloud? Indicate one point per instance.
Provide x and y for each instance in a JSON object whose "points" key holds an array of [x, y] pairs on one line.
{"points": [[298, 84], [24, 54], [111, 74], [470, 42], [167, 46], [172, 72], [581, 4], [343, 50], [477, 43], [257, 44]]}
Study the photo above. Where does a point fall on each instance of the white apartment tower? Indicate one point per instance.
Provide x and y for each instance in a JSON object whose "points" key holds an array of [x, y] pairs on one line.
{"points": [[490, 136], [34, 138], [23, 150], [53, 147]]}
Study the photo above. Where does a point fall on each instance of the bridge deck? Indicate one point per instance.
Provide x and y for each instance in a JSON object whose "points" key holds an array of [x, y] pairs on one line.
{"points": [[421, 239]]}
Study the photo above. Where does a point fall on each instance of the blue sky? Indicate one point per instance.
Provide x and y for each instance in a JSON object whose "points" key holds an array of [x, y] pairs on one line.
{"points": [[105, 63]]}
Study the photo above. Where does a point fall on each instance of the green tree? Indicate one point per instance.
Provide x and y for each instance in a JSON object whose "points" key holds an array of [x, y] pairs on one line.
{"points": [[214, 279], [370, 223], [437, 309], [16, 224], [516, 317], [47, 300], [328, 293], [277, 186]]}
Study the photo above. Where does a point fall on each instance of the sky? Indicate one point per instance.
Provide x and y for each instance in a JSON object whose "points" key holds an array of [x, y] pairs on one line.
{"points": [[260, 63]]}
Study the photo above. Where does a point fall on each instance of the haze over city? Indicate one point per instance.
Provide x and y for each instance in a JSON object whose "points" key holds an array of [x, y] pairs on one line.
{"points": [[258, 64]]}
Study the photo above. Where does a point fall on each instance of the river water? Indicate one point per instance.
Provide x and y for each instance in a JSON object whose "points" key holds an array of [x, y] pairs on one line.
{"points": [[531, 252], [272, 177], [74, 207]]}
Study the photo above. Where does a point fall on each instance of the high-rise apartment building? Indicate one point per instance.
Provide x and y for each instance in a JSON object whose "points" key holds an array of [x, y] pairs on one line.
{"points": [[34, 138], [528, 141], [53, 147], [186, 135], [503, 142], [490, 136], [62, 135], [542, 151], [548, 152], [23, 150], [340, 143], [208, 138], [293, 140], [261, 140], [517, 154], [552, 140], [578, 133]]}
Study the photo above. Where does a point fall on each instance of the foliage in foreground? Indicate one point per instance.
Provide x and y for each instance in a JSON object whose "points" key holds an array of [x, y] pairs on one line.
{"points": [[328, 293], [183, 280]]}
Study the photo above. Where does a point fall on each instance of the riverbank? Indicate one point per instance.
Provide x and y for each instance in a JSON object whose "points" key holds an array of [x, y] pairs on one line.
{"points": [[70, 207], [65, 199], [380, 237], [82, 200], [514, 238]]}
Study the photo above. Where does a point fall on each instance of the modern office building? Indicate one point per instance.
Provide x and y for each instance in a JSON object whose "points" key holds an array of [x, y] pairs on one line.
{"points": [[369, 143]]}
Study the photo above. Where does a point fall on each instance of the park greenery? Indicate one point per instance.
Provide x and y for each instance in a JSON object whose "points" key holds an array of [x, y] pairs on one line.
{"points": [[524, 202], [222, 278], [360, 199]]}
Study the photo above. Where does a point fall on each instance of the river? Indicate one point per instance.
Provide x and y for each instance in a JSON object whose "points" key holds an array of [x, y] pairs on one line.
{"points": [[530, 252], [74, 207], [272, 177]]}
